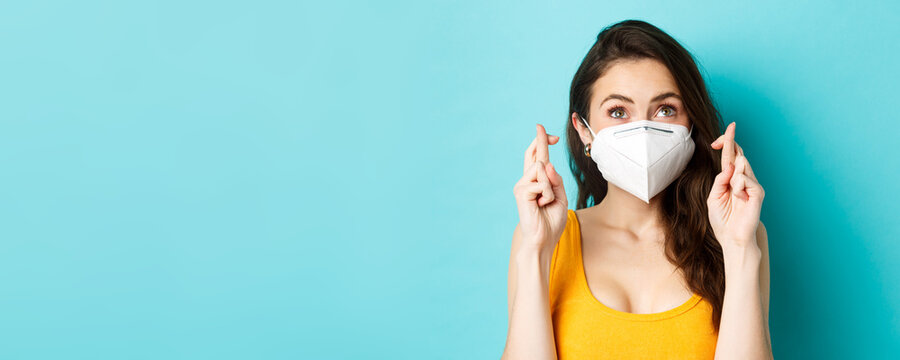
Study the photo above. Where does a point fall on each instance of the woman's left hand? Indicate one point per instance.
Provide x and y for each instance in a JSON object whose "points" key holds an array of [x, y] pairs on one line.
{"points": [[736, 197]]}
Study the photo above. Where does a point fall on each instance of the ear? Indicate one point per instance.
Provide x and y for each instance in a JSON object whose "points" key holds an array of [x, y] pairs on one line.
{"points": [[583, 133]]}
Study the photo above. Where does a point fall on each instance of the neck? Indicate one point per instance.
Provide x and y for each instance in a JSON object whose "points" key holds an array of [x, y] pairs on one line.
{"points": [[621, 209]]}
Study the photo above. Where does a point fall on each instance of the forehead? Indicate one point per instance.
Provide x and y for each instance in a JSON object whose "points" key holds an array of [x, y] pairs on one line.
{"points": [[638, 79]]}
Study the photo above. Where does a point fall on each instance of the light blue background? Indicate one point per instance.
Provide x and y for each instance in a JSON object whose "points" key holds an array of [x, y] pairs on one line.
{"points": [[333, 180]]}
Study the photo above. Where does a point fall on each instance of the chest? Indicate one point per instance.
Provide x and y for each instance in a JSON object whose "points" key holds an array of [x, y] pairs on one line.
{"points": [[632, 276]]}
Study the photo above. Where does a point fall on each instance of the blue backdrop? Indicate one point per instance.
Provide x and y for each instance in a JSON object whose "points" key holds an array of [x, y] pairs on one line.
{"points": [[333, 180]]}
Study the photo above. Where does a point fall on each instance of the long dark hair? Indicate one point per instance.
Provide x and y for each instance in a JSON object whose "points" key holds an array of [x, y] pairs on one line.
{"points": [[690, 242]]}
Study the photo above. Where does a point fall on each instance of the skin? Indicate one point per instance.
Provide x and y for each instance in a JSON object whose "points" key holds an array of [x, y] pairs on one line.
{"points": [[623, 242]]}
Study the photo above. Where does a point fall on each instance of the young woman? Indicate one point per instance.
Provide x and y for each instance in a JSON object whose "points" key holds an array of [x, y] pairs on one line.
{"points": [[667, 219]]}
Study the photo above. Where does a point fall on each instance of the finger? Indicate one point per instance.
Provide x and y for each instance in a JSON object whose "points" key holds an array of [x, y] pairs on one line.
{"points": [[531, 173], [719, 141], [529, 154], [717, 144], [530, 191], [753, 189], [542, 153], [739, 164], [738, 184], [529, 182], [728, 148], [547, 195], [556, 183], [721, 182], [745, 165]]}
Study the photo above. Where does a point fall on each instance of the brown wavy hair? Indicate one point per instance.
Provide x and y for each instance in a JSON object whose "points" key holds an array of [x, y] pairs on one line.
{"points": [[690, 242]]}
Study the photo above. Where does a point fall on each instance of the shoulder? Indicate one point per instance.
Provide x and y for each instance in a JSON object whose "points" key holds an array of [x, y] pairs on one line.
{"points": [[571, 223], [580, 214], [568, 232]]}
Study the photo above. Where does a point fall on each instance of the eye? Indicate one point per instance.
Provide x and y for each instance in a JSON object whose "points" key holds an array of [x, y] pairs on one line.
{"points": [[616, 110], [671, 110]]}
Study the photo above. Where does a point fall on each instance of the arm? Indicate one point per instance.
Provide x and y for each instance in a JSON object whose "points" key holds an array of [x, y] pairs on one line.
{"points": [[734, 203], [744, 330], [530, 332]]}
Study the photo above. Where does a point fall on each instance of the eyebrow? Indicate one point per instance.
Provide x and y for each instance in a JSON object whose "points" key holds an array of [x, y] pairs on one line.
{"points": [[654, 99]]}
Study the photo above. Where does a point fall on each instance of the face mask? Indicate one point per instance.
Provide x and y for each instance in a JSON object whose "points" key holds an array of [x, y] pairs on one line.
{"points": [[642, 157]]}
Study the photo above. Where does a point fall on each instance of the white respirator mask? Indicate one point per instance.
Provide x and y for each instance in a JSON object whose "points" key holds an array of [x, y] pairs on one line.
{"points": [[642, 157]]}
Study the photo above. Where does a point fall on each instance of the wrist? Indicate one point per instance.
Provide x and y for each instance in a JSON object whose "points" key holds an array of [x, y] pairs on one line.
{"points": [[738, 245], [531, 259], [534, 250], [537, 244], [742, 259]]}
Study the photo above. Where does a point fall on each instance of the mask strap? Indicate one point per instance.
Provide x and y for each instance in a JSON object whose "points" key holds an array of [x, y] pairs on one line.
{"points": [[588, 126]]}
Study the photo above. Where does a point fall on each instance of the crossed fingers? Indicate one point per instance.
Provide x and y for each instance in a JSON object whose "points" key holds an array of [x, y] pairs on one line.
{"points": [[733, 154], [539, 148]]}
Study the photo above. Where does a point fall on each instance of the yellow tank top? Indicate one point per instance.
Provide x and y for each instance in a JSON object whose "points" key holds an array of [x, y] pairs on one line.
{"points": [[585, 328]]}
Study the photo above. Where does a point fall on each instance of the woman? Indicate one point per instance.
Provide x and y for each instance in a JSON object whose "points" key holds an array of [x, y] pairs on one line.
{"points": [[667, 218]]}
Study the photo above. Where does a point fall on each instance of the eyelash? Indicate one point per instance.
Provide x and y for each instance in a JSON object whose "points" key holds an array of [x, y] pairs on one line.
{"points": [[620, 107]]}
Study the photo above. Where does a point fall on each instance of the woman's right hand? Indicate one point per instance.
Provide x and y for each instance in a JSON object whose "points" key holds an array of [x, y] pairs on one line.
{"points": [[540, 195]]}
